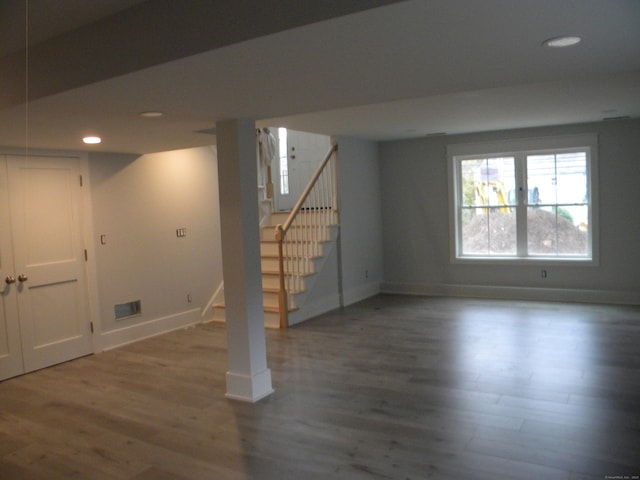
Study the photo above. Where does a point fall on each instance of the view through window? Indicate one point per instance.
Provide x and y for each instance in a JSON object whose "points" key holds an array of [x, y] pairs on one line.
{"points": [[524, 204], [284, 160]]}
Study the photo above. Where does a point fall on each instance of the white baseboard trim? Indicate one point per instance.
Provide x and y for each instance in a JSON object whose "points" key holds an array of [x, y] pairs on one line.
{"points": [[151, 328], [249, 388], [361, 292], [515, 293]]}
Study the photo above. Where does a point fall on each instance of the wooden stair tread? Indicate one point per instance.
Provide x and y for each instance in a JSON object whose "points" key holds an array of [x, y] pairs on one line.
{"points": [[277, 290], [268, 308], [273, 255], [277, 310], [276, 272]]}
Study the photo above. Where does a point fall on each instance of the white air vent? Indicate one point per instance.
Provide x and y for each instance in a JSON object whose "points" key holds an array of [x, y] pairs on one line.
{"points": [[126, 310]]}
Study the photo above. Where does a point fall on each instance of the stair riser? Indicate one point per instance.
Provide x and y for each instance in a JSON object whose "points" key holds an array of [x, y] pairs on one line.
{"points": [[271, 249], [272, 281], [272, 299], [271, 320], [278, 218], [218, 314], [296, 265], [320, 234], [269, 299]]}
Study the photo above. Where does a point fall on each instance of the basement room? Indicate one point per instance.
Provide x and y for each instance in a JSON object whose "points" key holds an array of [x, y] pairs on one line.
{"points": [[344, 239]]}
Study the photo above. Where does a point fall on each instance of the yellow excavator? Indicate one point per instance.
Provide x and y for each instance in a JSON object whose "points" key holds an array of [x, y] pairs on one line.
{"points": [[498, 188]]}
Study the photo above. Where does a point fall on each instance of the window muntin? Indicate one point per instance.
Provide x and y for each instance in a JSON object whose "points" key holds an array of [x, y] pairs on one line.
{"points": [[487, 210], [524, 205], [558, 216]]}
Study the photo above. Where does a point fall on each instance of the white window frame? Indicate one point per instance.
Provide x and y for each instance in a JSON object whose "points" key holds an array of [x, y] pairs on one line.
{"points": [[520, 149]]}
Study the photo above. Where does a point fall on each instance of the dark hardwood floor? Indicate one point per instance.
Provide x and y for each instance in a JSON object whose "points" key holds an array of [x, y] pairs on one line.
{"points": [[393, 387]]}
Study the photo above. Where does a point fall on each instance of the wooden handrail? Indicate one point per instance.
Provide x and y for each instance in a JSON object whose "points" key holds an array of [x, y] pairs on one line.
{"points": [[307, 190]]}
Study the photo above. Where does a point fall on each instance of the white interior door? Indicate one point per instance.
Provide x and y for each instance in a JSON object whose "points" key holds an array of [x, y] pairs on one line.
{"points": [[305, 152], [48, 259], [10, 348]]}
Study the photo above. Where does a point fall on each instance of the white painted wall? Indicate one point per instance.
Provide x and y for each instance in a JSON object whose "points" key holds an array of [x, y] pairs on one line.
{"points": [[361, 221], [416, 224], [138, 203]]}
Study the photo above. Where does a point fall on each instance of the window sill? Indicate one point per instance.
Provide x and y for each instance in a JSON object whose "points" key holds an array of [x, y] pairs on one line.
{"points": [[529, 261]]}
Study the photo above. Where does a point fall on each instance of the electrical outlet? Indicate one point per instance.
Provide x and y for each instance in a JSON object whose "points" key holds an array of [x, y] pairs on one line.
{"points": [[543, 273], [181, 232]]}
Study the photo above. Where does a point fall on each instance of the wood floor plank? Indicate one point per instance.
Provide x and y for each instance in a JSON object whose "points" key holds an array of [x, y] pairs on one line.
{"points": [[392, 387]]}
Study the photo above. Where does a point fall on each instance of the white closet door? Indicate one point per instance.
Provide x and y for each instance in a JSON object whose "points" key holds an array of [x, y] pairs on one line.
{"points": [[45, 207], [10, 348]]}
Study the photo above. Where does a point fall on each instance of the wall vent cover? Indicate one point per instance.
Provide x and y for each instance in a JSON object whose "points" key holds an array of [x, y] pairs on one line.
{"points": [[126, 310]]}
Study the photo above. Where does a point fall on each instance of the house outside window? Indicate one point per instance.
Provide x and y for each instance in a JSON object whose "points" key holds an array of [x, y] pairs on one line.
{"points": [[524, 200]]}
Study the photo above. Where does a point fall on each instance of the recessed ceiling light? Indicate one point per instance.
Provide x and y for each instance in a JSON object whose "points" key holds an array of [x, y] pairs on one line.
{"points": [[152, 114], [561, 42], [92, 140]]}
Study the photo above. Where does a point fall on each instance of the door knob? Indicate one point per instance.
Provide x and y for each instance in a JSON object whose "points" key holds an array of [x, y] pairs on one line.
{"points": [[10, 279], [22, 277]]}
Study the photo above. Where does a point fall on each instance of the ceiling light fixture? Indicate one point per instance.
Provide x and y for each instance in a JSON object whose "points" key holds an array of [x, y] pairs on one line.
{"points": [[562, 42], [92, 140], [151, 114]]}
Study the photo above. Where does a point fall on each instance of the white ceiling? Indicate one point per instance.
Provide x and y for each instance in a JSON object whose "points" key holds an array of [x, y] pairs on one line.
{"points": [[399, 71]]}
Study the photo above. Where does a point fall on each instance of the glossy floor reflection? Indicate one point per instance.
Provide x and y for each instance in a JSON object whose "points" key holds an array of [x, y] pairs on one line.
{"points": [[393, 387]]}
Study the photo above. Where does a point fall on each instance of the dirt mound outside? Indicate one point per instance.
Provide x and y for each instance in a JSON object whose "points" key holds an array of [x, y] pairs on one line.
{"points": [[548, 234]]}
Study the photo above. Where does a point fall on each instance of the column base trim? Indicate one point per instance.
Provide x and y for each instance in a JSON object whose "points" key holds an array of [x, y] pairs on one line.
{"points": [[249, 388]]}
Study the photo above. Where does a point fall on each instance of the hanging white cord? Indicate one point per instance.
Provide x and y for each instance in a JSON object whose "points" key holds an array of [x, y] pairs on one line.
{"points": [[26, 78], [26, 85], [26, 103]]}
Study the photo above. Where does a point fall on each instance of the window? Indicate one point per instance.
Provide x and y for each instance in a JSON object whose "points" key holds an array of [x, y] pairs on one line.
{"points": [[524, 200], [284, 160]]}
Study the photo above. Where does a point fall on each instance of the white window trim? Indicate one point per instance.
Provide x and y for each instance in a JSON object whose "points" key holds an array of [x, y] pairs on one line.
{"points": [[514, 147]]}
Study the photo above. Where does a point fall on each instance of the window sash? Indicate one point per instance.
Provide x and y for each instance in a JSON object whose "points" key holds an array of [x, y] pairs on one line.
{"points": [[522, 203]]}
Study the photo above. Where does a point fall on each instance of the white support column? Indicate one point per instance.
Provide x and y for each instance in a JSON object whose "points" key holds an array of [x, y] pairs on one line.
{"points": [[248, 377]]}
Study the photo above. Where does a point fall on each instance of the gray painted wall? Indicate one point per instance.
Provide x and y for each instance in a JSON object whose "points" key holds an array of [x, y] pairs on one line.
{"points": [[360, 237], [416, 223], [138, 203], [361, 229]]}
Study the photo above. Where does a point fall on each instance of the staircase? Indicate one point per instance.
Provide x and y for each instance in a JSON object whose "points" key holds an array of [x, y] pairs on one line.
{"points": [[293, 248], [301, 270]]}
